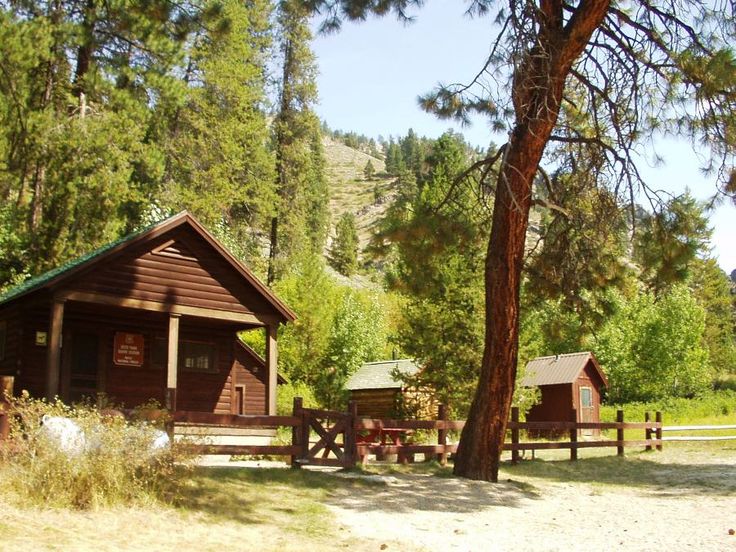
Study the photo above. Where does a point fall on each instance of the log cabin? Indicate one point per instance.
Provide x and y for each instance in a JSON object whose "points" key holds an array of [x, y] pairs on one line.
{"points": [[153, 316], [567, 381], [378, 393]]}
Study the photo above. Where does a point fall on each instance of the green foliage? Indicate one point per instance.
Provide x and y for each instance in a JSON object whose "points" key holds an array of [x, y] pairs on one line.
{"points": [[76, 147], [668, 242], [709, 408], [302, 219], [652, 349], [220, 167], [314, 297], [369, 171], [582, 251], [712, 289], [344, 250], [116, 467], [285, 398], [357, 335], [437, 265]]}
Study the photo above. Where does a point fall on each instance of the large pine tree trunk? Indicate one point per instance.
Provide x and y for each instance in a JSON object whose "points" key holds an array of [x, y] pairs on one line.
{"points": [[482, 437], [539, 82]]}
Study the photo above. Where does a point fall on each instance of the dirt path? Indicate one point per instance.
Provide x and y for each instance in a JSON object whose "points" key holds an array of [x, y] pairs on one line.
{"points": [[659, 504]]}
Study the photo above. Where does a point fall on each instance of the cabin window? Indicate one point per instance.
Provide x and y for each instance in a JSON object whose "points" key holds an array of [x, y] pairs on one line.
{"points": [[195, 356], [3, 335]]}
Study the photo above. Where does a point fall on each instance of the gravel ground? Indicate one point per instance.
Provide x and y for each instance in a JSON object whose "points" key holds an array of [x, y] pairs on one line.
{"points": [[676, 501]]}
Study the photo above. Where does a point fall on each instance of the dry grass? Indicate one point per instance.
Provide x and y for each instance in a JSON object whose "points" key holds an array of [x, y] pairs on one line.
{"points": [[233, 508], [350, 192]]}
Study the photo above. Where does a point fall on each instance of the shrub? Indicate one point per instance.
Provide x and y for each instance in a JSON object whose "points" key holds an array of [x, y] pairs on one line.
{"points": [[712, 407], [108, 461]]}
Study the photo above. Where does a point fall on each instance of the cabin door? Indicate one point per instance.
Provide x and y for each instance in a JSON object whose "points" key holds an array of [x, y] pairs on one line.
{"points": [[84, 366], [586, 408]]}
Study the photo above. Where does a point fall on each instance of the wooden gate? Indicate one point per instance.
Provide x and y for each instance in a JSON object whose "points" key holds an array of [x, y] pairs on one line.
{"points": [[328, 450]]}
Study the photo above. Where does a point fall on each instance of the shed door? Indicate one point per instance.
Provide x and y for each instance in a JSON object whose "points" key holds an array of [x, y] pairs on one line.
{"points": [[84, 366], [586, 407]]}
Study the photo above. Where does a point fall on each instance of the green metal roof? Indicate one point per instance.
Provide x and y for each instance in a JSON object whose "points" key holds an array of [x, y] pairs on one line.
{"points": [[39, 281], [378, 375]]}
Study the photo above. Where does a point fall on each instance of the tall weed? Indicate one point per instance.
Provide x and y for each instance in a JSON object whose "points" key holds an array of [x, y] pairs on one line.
{"points": [[114, 462]]}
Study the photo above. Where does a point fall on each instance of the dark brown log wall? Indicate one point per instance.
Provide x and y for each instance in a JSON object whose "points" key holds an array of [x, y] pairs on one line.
{"points": [[10, 317], [376, 403], [248, 371], [130, 385], [186, 272]]}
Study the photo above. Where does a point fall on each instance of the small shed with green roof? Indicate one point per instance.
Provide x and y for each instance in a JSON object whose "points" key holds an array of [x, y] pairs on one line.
{"points": [[154, 315], [378, 391]]}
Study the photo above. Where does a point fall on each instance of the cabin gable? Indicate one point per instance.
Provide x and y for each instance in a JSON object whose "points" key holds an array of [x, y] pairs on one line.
{"points": [[178, 267]]}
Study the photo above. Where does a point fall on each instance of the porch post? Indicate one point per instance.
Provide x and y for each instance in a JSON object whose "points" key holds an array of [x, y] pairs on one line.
{"points": [[271, 365], [172, 361], [53, 351]]}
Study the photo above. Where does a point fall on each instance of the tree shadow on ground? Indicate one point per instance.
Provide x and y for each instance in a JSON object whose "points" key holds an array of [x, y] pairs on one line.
{"points": [[432, 489], [260, 495], [661, 475]]}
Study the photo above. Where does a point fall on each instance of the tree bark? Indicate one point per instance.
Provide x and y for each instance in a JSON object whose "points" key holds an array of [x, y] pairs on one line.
{"points": [[538, 86]]}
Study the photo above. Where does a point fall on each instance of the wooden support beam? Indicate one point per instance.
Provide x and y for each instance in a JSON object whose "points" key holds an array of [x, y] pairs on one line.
{"points": [[574, 435], [272, 366], [514, 435], [252, 319], [53, 351], [172, 362], [620, 433]]}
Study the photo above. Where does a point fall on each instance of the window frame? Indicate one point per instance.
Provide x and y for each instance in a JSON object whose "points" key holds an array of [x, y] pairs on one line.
{"points": [[212, 356]]}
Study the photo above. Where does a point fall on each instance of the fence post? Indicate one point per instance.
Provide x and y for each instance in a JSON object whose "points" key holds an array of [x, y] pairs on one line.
{"points": [[6, 391], [648, 431], [620, 433], [658, 419], [442, 434], [574, 434], [515, 435], [351, 438], [296, 431]]}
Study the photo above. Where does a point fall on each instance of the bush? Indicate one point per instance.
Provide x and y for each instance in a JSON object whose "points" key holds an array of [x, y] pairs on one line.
{"points": [[108, 461], [713, 407]]}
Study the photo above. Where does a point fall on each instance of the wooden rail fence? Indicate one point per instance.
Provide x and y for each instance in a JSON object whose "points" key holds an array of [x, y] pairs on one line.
{"points": [[343, 438], [691, 428]]}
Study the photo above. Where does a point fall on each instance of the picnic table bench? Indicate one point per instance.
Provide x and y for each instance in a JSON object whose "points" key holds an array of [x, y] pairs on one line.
{"points": [[385, 436]]}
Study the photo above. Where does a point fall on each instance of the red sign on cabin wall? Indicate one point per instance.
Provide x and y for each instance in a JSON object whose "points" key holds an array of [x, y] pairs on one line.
{"points": [[128, 349]]}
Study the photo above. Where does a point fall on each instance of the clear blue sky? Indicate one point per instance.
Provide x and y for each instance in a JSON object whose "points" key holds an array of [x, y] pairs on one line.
{"points": [[371, 74]]}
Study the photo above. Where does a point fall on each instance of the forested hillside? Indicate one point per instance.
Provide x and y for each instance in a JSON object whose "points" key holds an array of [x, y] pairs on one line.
{"points": [[115, 116]]}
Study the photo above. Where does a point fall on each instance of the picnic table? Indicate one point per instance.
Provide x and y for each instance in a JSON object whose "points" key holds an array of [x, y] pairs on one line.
{"points": [[385, 436]]}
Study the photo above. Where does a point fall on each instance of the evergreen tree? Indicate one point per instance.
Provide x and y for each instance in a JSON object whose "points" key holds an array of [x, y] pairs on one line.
{"points": [[369, 170], [394, 159], [79, 117], [712, 289], [669, 241], [301, 219], [344, 250], [219, 164], [439, 260]]}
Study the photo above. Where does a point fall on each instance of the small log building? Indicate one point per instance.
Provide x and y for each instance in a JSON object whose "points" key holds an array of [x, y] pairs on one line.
{"points": [[568, 381], [154, 315], [379, 394]]}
